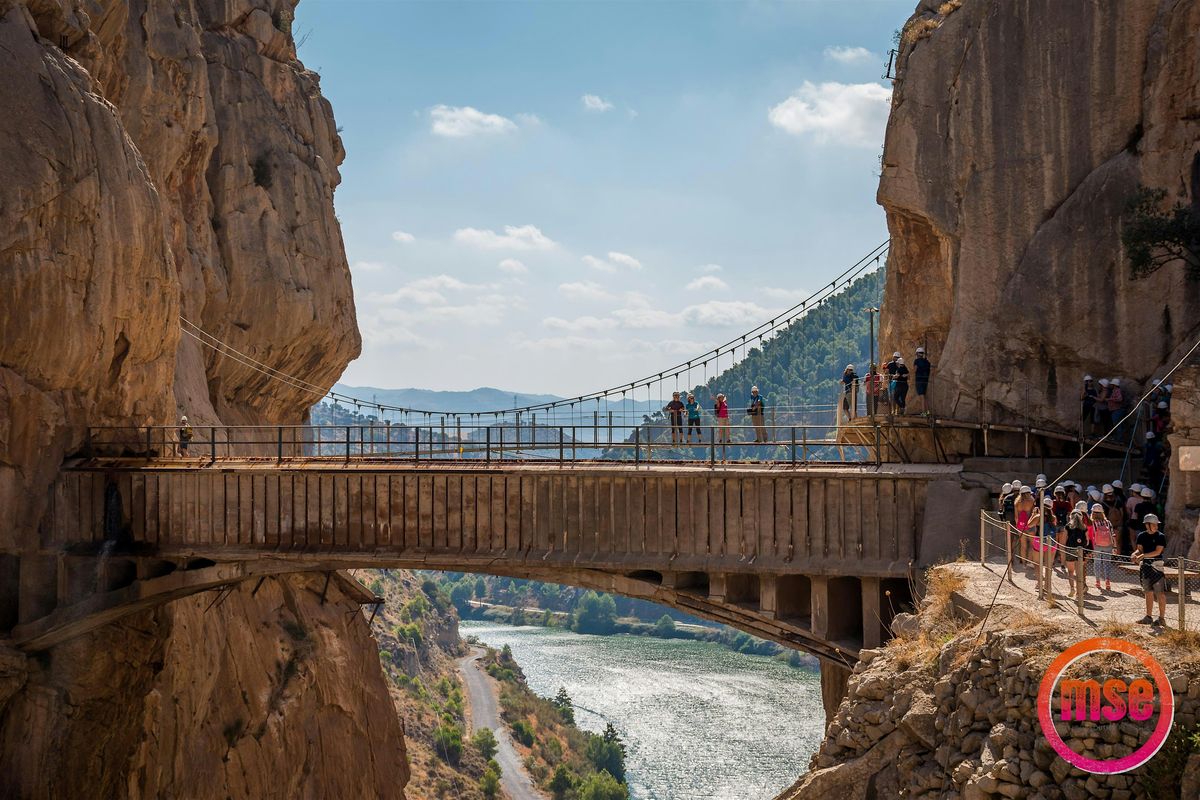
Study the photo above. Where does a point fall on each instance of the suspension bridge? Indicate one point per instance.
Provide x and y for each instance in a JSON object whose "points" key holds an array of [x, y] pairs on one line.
{"points": [[807, 528]]}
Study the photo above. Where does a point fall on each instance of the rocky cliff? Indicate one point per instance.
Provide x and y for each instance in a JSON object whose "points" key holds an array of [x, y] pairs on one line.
{"points": [[1018, 131], [161, 160], [948, 711]]}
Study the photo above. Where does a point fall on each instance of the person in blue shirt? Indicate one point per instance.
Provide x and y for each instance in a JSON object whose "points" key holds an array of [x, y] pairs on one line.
{"points": [[757, 411], [693, 415]]}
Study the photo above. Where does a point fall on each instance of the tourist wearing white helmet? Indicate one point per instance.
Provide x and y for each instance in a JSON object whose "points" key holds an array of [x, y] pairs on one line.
{"points": [[1026, 520], [1102, 419], [1116, 402], [1076, 546], [850, 391], [1147, 554], [901, 375], [1087, 402], [922, 370], [890, 367], [1103, 544]]}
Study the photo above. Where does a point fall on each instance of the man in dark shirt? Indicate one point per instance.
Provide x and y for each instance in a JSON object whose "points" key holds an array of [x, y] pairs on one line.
{"points": [[921, 370], [849, 391], [901, 377], [1148, 555], [675, 410], [1137, 521]]}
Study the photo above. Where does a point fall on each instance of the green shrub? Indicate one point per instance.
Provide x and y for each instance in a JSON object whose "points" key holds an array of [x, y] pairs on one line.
{"points": [[485, 742], [447, 741], [602, 786], [523, 732]]}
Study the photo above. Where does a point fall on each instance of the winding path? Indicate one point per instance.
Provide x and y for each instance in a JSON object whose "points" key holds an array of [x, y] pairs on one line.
{"points": [[485, 713]]}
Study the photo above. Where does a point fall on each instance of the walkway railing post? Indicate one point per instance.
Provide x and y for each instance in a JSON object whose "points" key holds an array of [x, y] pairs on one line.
{"points": [[487, 447], [212, 444], [1181, 595], [149, 441], [560, 445], [279, 444], [610, 429], [637, 446], [1041, 572], [1008, 549], [982, 538], [1080, 579], [349, 436], [712, 446], [417, 444], [793, 445], [804, 446], [596, 427], [501, 432]]}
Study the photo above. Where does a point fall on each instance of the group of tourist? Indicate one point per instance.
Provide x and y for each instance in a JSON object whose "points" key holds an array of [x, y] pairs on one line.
{"points": [[894, 392], [678, 408], [1104, 405], [1068, 525]]}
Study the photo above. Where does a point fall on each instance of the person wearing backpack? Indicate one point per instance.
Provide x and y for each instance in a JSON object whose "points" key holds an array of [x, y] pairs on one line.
{"points": [[757, 410], [1104, 541], [185, 435]]}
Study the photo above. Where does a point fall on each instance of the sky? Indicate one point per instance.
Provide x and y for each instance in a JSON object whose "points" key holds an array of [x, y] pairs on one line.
{"points": [[561, 196]]}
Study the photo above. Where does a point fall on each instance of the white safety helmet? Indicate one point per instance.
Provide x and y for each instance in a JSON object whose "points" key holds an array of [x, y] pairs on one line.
{"points": [[1095, 495], [1017, 484], [1170, 387], [1104, 381], [1106, 488], [1149, 435], [849, 367], [1087, 377], [896, 354], [1136, 488], [1162, 403], [1040, 483], [1081, 506], [1150, 518], [1006, 488], [1116, 381], [899, 360], [1147, 492], [920, 349], [1048, 503], [1118, 484], [1097, 507], [1026, 490]]}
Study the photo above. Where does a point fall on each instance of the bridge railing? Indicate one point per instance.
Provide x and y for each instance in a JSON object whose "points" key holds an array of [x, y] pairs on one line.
{"points": [[782, 444], [1111, 589]]}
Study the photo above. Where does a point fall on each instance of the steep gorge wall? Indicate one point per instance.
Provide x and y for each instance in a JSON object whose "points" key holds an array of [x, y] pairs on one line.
{"points": [[158, 160], [1018, 131]]}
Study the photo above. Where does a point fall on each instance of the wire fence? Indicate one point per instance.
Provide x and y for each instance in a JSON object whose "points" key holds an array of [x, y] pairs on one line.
{"points": [[1099, 583]]}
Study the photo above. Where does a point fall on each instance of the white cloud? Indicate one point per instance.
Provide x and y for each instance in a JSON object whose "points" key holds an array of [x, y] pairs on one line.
{"points": [[447, 283], [850, 55], [593, 102], [579, 324], [723, 314], [428, 291], [458, 122], [854, 114], [402, 237], [789, 296], [646, 317], [612, 262], [708, 283], [409, 294], [515, 237], [512, 267], [710, 269], [584, 290]]}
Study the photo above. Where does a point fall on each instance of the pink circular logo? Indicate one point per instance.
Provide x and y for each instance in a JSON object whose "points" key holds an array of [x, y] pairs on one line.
{"points": [[1108, 702]]}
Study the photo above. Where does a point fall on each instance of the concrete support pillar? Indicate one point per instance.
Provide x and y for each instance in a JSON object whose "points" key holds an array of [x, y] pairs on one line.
{"points": [[768, 596], [834, 678], [717, 587], [38, 587], [819, 594], [871, 616]]}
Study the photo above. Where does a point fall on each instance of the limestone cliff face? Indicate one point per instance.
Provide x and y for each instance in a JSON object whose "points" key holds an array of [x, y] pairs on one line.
{"points": [[157, 160], [1017, 133]]}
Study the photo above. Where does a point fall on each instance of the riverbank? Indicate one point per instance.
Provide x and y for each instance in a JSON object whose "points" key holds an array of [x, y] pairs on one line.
{"points": [[664, 628], [699, 721]]}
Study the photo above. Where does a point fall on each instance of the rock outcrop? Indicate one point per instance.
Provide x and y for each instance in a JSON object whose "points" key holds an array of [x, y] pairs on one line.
{"points": [[944, 712], [160, 160], [1017, 134]]}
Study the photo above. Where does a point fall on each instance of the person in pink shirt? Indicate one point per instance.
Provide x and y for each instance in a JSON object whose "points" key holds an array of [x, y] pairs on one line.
{"points": [[721, 412], [1104, 544]]}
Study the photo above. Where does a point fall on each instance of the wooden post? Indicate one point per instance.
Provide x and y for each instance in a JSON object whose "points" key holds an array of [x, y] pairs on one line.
{"points": [[982, 537], [1080, 579], [1181, 595]]}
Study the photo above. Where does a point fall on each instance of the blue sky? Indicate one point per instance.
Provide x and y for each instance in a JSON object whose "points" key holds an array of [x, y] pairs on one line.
{"points": [[559, 196]]}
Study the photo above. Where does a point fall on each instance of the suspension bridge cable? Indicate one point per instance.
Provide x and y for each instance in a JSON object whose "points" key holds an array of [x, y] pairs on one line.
{"points": [[625, 389]]}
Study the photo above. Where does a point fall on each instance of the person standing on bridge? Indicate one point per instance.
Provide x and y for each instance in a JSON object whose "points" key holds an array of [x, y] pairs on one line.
{"points": [[1104, 543], [757, 411], [1148, 556], [921, 372], [1087, 402], [675, 410], [850, 391], [901, 375], [721, 412], [890, 368], [185, 435], [693, 415]]}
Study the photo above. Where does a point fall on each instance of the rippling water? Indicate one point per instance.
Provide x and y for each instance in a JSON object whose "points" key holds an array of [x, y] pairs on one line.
{"points": [[700, 722]]}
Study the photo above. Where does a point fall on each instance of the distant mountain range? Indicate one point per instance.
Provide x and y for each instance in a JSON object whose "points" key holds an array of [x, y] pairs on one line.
{"points": [[482, 399]]}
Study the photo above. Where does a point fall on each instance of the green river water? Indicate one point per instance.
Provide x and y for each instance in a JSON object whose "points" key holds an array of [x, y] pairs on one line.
{"points": [[700, 722]]}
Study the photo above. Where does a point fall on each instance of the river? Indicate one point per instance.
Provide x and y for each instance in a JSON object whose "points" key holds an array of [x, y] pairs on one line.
{"points": [[699, 721]]}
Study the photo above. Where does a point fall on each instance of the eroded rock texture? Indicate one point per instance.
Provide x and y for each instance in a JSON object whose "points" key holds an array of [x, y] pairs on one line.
{"points": [[156, 160], [1017, 133]]}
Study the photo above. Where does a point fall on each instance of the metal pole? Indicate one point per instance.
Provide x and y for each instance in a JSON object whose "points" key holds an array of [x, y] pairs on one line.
{"points": [[610, 429], [804, 451], [149, 440], [793, 445], [1080, 580], [348, 438], [1008, 553], [279, 444], [417, 444], [712, 445], [637, 446], [596, 427], [982, 538], [560, 445], [501, 432], [1181, 595], [487, 449], [1041, 572]]}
